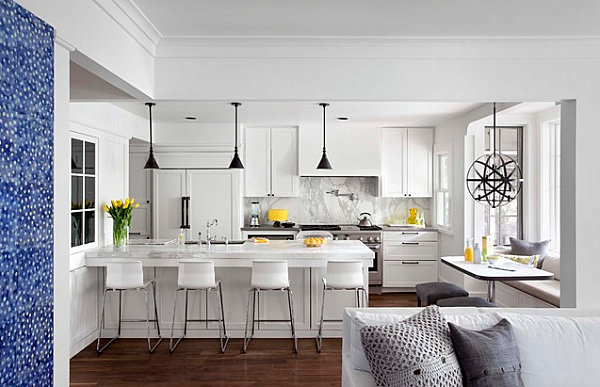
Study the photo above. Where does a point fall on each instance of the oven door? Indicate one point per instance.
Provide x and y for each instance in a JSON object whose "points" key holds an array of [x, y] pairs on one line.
{"points": [[375, 270]]}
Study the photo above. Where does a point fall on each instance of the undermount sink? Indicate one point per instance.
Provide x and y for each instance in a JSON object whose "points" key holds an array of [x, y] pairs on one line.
{"points": [[222, 242]]}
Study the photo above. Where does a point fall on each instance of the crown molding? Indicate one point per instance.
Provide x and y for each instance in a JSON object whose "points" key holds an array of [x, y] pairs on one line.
{"points": [[133, 21], [379, 47]]}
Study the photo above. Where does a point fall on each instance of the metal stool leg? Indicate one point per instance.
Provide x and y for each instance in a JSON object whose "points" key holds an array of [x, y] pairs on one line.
{"points": [[224, 339], [150, 347], [102, 321], [365, 297], [251, 300], [320, 335], [291, 307], [171, 346]]}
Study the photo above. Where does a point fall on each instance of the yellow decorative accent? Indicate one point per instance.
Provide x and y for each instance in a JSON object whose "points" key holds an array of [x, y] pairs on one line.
{"points": [[136, 205], [412, 219], [277, 215]]}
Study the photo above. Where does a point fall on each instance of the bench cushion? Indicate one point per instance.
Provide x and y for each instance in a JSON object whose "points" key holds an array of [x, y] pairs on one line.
{"points": [[548, 291]]}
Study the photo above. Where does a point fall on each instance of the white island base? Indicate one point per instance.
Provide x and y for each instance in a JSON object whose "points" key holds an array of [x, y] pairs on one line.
{"points": [[232, 265]]}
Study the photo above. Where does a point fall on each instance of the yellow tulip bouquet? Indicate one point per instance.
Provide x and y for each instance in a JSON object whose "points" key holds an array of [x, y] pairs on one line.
{"points": [[120, 211]]}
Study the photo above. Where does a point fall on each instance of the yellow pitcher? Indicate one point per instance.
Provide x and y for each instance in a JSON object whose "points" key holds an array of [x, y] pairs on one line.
{"points": [[412, 219]]}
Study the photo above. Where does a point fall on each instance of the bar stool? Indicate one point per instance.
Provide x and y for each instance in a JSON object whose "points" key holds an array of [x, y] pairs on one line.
{"points": [[268, 276], [199, 275], [122, 277], [342, 275]]}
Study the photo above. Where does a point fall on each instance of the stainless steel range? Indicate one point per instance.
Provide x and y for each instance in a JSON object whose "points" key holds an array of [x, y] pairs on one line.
{"points": [[369, 235]]}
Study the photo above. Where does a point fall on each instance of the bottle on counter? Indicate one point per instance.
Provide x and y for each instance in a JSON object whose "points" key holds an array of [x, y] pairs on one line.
{"points": [[477, 254], [484, 251], [469, 251], [181, 237]]}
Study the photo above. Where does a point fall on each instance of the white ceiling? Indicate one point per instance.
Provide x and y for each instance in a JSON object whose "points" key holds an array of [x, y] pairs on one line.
{"points": [[290, 113], [348, 18]]}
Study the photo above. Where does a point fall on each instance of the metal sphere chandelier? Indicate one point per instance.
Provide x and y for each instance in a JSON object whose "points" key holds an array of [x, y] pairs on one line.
{"points": [[494, 179]]}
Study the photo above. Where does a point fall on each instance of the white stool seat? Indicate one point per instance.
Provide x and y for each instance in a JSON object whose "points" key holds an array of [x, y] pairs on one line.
{"points": [[344, 275], [270, 275], [125, 275], [196, 275]]}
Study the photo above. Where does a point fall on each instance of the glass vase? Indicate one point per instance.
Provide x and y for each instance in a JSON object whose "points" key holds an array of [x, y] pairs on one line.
{"points": [[120, 233]]}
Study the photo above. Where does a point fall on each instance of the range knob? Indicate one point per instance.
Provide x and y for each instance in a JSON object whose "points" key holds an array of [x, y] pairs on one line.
{"points": [[360, 239], [370, 239], [335, 238], [347, 237], [377, 239]]}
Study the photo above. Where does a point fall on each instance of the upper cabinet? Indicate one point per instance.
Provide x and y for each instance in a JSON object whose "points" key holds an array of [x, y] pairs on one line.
{"points": [[406, 162], [271, 162]]}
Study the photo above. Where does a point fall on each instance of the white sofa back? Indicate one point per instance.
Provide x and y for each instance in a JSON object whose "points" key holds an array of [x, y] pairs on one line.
{"points": [[558, 347]]}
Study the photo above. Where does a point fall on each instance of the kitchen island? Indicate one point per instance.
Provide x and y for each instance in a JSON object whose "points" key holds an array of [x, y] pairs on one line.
{"points": [[232, 265]]}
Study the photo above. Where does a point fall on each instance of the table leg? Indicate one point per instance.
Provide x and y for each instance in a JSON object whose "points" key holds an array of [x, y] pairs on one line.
{"points": [[491, 291]]}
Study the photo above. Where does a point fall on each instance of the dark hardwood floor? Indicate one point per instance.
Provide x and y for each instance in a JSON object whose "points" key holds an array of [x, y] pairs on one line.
{"points": [[198, 362]]}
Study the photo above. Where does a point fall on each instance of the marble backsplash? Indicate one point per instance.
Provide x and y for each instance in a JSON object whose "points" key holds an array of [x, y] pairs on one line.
{"points": [[314, 205]]}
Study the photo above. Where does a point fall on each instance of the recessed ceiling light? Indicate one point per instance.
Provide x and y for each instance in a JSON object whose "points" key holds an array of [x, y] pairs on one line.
{"points": [[342, 118], [191, 118]]}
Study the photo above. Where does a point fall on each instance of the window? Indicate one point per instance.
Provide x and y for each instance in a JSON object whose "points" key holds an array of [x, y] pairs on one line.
{"points": [[506, 221], [443, 173], [550, 184], [83, 192]]}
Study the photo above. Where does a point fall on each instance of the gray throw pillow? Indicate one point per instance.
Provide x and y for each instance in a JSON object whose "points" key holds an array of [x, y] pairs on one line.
{"points": [[519, 247], [488, 358], [414, 352]]}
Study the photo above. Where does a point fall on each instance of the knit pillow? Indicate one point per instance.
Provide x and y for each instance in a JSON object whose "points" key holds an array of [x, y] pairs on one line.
{"points": [[415, 352]]}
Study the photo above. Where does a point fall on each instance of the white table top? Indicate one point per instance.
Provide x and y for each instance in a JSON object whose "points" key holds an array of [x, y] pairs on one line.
{"points": [[486, 273], [294, 252]]}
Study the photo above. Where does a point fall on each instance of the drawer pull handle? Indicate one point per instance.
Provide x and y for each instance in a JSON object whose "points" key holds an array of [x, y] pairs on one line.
{"points": [[410, 262], [410, 233], [410, 243]]}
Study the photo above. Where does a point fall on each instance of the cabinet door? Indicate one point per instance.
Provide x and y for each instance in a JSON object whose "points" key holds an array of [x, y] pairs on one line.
{"points": [[214, 195], [257, 165], [402, 274], [393, 162], [420, 162], [140, 188], [284, 162], [168, 189]]}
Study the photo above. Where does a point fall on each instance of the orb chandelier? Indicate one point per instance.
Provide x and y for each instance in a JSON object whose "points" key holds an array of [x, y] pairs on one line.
{"points": [[494, 179]]}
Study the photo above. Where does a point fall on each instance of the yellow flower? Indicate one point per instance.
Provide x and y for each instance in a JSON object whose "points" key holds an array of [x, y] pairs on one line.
{"points": [[132, 200], [127, 202], [114, 204], [136, 205], [105, 208], [119, 203]]}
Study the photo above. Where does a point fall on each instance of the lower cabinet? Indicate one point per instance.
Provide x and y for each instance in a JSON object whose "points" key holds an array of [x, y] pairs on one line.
{"points": [[402, 274], [83, 283]]}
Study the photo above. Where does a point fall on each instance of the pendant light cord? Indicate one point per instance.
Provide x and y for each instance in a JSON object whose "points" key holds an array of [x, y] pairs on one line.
{"points": [[324, 105], [494, 129], [235, 105], [150, 104]]}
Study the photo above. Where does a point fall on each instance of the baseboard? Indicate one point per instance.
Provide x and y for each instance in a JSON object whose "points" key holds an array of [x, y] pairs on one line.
{"points": [[83, 343]]}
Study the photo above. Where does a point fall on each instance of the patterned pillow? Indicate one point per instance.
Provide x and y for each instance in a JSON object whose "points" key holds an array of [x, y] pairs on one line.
{"points": [[415, 352]]}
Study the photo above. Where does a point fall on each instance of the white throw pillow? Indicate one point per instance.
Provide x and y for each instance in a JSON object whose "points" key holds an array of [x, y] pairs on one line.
{"points": [[468, 318], [557, 351], [552, 264]]}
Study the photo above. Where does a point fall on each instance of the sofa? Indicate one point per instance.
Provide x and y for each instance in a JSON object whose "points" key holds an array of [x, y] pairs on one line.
{"points": [[558, 347]]}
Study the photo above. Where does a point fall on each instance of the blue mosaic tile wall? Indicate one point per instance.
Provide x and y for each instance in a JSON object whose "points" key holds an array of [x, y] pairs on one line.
{"points": [[26, 197]]}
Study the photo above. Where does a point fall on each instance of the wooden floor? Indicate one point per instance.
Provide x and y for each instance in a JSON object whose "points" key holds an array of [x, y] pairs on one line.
{"points": [[198, 362]]}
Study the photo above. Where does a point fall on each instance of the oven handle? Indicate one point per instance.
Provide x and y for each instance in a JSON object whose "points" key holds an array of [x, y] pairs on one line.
{"points": [[410, 243]]}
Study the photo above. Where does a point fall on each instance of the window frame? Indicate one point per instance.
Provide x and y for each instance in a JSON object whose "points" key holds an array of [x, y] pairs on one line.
{"points": [[442, 149], [520, 158], [553, 125], [93, 140]]}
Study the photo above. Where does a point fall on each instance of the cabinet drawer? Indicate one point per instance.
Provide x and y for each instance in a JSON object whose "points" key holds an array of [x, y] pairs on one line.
{"points": [[398, 251], [411, 236], [400, 274]]}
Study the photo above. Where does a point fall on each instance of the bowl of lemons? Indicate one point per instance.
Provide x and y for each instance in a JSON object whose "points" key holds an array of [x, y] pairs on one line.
{"points": [[314, 241]]}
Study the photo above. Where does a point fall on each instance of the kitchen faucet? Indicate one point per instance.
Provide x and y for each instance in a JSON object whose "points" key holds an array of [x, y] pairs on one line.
{"points": [[209, 224]]}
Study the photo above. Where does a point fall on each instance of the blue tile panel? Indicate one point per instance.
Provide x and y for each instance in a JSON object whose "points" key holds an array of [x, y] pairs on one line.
{"points": [[26, 197]]}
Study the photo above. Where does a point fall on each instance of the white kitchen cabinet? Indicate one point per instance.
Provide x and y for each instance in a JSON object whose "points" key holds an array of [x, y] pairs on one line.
{"points": [[407, 162], [140, 188], [409, 258], [271, 162], [403, 274], [193, 197]]}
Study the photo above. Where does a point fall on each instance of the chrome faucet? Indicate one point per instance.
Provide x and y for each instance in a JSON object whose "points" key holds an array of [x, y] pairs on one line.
{"points": [[209, 224]]}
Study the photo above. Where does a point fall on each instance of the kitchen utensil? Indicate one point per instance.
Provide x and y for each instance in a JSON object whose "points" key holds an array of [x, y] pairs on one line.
{"points": [[255, 214], [365, 219]]}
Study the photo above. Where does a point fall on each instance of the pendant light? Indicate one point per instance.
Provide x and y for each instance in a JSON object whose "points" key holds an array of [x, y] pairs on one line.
{"points": [[236, 163], [324, 163], [495, 179], [151, 163]]}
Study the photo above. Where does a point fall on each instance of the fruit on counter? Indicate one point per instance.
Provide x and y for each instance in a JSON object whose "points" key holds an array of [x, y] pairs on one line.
{"points": [[315, 241], [260, 240]]}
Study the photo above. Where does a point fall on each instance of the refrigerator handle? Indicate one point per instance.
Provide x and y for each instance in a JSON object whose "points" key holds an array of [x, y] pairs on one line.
{"points": [[184, 212], [187, 212]]}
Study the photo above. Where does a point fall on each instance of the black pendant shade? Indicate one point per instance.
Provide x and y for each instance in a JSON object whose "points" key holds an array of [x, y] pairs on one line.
{"points": [[324, 163], [236, 163], [151, 163]]}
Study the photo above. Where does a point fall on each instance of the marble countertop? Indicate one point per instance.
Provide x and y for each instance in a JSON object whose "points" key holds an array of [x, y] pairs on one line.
{"points": [[270, 228], [388, 228], [297, 254]]}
